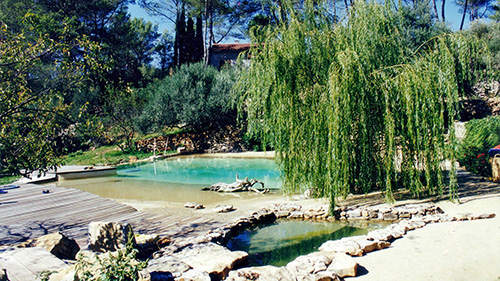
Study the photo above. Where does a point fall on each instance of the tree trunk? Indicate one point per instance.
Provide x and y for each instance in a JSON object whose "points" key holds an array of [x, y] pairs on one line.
{"points": [[463, 16], [205, 35], [435, 9], [442, 11]]}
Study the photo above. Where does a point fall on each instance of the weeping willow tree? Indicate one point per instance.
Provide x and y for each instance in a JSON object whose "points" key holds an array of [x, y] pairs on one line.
{"points": [[350, 108]]}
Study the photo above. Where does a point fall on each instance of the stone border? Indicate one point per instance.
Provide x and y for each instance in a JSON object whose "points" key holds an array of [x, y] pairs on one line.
{"points": [[203, 258], [334, 259]]}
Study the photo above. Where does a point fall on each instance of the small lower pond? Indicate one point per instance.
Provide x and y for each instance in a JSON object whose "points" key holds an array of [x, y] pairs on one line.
{"points": [[281, 242]]}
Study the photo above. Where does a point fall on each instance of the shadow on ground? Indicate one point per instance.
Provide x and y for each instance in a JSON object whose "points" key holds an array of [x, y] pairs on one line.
{"points": [[470, 187]]}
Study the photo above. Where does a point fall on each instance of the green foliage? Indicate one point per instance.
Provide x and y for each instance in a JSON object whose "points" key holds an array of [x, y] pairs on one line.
{"points": [[475, 160], [496, 11], [195, 96], [45, 275], [348, 110], [418, 25], [490, 33], [35, 76], [118, 266], [112, 155], [481, 135], [8, 179]]}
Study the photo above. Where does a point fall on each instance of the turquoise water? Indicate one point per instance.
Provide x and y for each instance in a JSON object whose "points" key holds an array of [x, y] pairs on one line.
{"points": [[281, 242], [181, 179], [204, 171]]}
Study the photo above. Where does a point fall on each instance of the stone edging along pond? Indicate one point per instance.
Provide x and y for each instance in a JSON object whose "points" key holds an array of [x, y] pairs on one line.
{"points": [[204, 255]]}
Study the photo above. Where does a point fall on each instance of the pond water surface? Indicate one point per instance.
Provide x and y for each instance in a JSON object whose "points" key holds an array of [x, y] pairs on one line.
{"points": [[281, 242], [180, 179]]}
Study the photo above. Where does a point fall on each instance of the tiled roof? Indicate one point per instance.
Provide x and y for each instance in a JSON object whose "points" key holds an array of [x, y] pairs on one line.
{"points": [[235, 47]]}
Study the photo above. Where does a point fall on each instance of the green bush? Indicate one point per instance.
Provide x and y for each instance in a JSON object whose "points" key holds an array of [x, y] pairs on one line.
{"points": [[489, 33], [481, 135], [120, 266], [196, 97]]}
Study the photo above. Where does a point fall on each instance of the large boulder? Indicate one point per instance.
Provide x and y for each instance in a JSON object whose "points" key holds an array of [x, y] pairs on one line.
{"points": [[57, 244], [212, 258], [109, 236], [167, 265], [312, 267], [194, 275], [343, 265], [367, 245], [262, 273], [342, 246]]}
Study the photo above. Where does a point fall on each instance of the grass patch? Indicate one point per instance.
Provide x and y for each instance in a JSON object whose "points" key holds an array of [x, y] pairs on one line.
{"points": [[8, 179], [104, 155]]}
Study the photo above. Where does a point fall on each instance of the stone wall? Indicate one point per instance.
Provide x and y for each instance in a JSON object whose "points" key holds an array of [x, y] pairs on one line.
{"points": [[227, 139]]}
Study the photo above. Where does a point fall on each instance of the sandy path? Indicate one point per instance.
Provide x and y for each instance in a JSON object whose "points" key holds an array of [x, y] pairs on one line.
{"points": [[468, 250]]}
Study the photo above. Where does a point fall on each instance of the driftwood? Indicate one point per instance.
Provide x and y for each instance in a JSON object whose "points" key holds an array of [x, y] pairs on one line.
{"points": [[239, 185]]}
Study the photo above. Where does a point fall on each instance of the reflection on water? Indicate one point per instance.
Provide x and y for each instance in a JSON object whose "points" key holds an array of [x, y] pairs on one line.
{"points": [[281, 242], [179, 179]]}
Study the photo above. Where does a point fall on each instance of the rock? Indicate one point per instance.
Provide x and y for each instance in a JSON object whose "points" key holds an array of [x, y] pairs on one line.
{"points": [[109, 236], [430, 219], [263, 216], [484, 216], [343, 246], [262, 273], [326, 276], [159, 276], [368, 245], [212, 258], [380, 235], [306, 267], [365, 213], [3, 275], [67, 274], [354, 214], [224, 208], [57, 244], [193, 205], [147, 244], [396, 230], [296, 215], [444, 218], [415, 223], [463, 216], [194, 275], [167, 264], [390, 217], [344, 265], [282, 214]]}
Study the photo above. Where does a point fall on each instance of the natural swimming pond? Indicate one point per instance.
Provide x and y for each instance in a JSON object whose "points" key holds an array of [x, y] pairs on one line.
{"points": [[281, 242], [180, 179]]}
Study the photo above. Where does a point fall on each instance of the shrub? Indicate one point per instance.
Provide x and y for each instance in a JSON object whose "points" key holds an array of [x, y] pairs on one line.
{"points": [[481, 135], [120, 266], [196, 96]]}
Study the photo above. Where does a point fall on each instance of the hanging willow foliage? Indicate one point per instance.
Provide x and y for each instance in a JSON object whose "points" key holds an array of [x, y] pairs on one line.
{"points": [[350, 109]]}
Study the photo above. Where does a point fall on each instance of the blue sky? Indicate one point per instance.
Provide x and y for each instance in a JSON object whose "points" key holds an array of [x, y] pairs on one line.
{"points": [[453, 17]]}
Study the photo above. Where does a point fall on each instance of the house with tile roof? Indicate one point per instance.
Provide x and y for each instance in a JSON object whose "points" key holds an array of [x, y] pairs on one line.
{"points": [[227, 54]]}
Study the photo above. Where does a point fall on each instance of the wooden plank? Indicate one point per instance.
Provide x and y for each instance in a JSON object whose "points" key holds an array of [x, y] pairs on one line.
{"points": [[74, 209], [24, 264]]}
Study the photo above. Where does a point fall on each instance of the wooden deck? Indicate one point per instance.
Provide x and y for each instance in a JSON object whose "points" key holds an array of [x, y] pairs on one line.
{"points": [[27, 213]]}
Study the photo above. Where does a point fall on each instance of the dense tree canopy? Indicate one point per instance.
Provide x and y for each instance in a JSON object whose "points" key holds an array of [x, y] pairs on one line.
{"points": [[36, 76], [350, 108]]}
